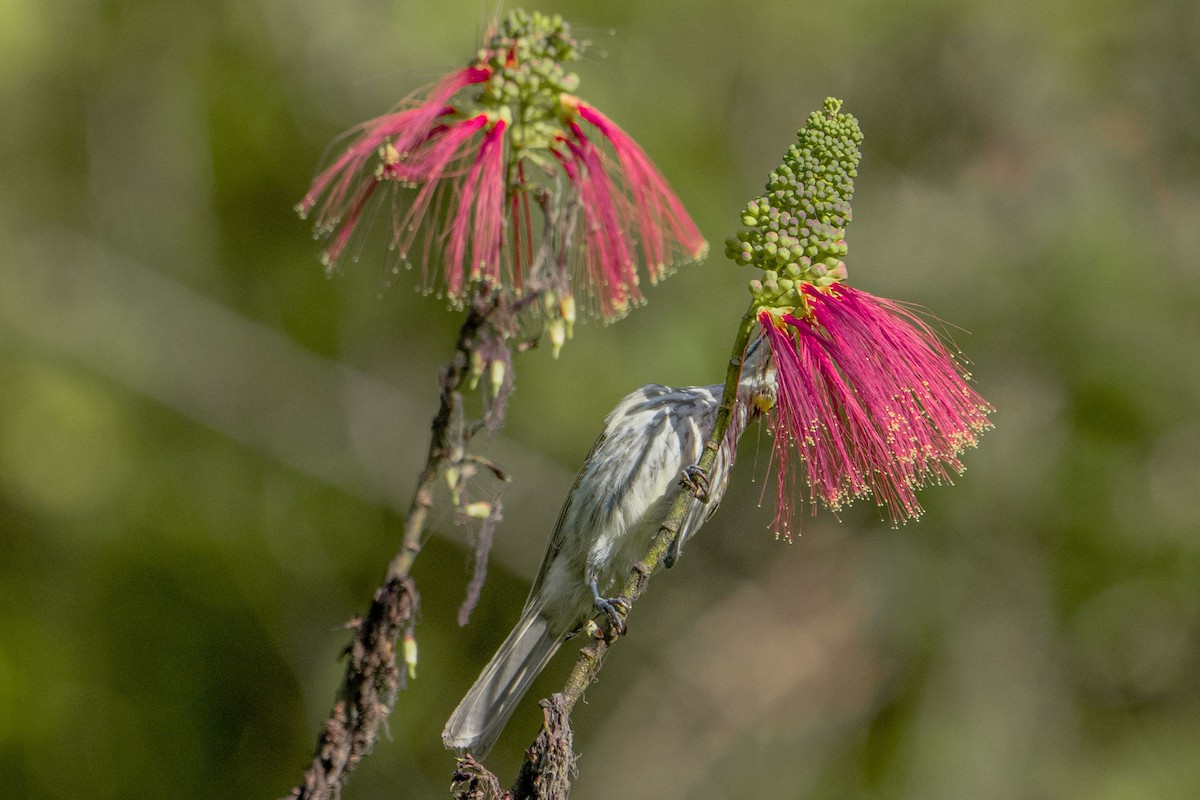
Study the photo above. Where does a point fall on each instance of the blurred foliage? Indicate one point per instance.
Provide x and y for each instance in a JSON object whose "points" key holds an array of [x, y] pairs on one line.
{"points": [[178, 552]]}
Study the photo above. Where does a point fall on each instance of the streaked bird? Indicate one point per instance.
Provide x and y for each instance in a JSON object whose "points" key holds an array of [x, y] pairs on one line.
{"points": [[621, 496]]}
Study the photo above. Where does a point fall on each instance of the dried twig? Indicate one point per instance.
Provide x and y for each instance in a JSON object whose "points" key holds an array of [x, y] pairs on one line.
{"points": [[369, 687], [372, 679]]}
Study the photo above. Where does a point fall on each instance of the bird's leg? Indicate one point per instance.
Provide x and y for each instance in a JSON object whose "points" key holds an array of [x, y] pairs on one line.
{"points": [[614, 608], [673, 552], [697, 480]]}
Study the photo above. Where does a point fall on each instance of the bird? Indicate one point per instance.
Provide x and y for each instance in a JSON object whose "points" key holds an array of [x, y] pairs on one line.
{"points": [[648, 450]]}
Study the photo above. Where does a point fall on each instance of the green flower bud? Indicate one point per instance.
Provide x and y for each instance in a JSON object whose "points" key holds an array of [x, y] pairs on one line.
{"points": [[476, 370], [453, 481], [557, 329], [797, 226], [481, 509], [496, 372], [410, 654]]}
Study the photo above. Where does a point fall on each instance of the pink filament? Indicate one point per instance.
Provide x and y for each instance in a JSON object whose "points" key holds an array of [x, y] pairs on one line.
{"points": [[653, 211], [870, 400]]}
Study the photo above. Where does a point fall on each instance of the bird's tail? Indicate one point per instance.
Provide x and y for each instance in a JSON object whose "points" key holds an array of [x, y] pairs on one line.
{"points": [[476, 723]]}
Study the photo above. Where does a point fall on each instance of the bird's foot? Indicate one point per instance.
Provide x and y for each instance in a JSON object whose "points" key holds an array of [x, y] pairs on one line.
{"points": [[695, 479], [615, 609]]}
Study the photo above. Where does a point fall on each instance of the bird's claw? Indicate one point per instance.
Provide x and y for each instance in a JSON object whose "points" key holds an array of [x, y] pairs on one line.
{"points": [[696, 479], [615, 610]]}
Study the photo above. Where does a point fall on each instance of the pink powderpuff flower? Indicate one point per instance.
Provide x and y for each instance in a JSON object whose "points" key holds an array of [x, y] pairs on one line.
{"points": [[463, 162], [869, 399], [426, 148], [623, 203]]}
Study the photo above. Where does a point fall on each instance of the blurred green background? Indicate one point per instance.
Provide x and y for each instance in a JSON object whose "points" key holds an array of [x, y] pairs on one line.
{"points": [[205, 443]]}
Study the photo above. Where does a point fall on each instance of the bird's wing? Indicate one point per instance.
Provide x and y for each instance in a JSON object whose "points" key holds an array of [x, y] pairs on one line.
{"points": [[556, 538], [697, 512], [632, 405]]}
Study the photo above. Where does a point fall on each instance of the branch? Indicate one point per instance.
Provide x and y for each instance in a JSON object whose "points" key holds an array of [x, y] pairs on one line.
{"points": [[372, 679], [590, 657], [471, 781], [550, 760]]}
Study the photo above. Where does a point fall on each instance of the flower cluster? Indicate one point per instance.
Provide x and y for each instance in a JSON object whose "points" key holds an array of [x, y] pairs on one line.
{"points": [[868, 397], [471, 158]]}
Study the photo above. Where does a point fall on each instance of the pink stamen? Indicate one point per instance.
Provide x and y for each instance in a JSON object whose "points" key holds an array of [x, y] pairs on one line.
{"points": [[870, 401], [403, 129], [655, 212], [475, 233], [611, 269]]}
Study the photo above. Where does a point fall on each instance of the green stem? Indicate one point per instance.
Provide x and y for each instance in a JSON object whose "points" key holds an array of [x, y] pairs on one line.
{"points": [[550, 759], [590, 657]]}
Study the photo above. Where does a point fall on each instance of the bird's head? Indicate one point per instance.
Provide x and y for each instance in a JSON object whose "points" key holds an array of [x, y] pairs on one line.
{"points": [[758, 384]]}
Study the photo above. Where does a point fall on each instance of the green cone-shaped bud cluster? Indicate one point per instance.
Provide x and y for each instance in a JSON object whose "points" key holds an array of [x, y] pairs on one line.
{"points": [[796, 231], [526, 55]]}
